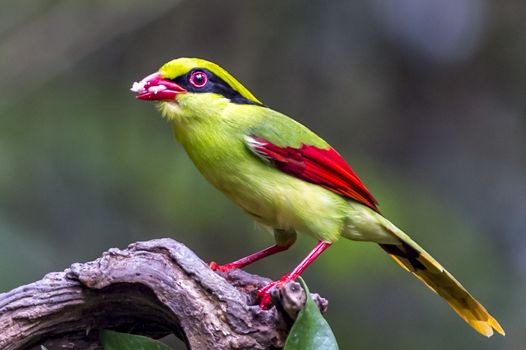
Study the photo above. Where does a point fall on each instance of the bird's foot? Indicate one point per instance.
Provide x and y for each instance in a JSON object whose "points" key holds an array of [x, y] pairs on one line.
{"points": [[265, 301], [222, 268]]}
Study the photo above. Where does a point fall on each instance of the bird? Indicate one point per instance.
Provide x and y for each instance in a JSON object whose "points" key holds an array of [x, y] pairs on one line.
{"points": [[287, 178]]}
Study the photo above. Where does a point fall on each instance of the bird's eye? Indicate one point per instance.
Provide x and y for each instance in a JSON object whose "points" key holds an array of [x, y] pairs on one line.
{"points": [[198, 79]]}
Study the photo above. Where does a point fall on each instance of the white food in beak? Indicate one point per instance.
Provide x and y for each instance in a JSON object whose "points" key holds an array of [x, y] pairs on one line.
{"points": [[156, 89], [138, 87]]}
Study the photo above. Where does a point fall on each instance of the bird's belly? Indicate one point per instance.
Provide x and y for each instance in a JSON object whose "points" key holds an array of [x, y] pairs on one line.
{"points": [[281, 201]]}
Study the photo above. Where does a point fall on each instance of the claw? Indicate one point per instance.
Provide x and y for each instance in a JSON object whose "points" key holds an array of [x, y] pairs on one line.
{"points": [[221, 268], [265, 302]]}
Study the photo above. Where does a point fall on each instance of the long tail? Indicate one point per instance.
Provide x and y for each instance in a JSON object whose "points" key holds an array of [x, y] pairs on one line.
{"points": [[417, 261]]}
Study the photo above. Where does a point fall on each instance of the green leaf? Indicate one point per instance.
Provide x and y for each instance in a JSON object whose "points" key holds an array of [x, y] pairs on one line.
{"points": [[42, 347], [123, 341], [310, 331]]}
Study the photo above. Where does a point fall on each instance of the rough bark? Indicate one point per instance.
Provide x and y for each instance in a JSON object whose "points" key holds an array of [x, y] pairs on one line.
{"points": [[153, 288]]}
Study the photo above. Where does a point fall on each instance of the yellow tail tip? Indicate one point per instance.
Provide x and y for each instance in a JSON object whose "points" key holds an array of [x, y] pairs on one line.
{"points": [[493, 322], [486, 328]]}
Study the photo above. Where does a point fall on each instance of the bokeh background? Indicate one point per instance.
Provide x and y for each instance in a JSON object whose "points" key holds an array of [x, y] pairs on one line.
{"points": [[425, 99]]}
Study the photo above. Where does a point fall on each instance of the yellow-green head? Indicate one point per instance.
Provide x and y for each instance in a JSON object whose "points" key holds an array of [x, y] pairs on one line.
{"points": [[184, 86]]}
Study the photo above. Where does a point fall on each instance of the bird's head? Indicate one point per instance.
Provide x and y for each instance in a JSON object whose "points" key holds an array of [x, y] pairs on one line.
{"points": [[192, 88]]}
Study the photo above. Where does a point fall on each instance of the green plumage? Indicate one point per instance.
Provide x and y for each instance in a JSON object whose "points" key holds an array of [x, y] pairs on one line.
{"points": [[217, 146]]}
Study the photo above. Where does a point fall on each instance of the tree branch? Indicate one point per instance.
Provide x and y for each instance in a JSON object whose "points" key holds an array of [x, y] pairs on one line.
{"points": [[153, 288]]}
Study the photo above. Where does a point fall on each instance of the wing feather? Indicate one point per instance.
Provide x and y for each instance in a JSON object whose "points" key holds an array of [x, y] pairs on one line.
{"points": [[321, 166]]}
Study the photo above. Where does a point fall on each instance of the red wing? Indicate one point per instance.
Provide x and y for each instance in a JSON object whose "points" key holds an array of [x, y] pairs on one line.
{"points": [[324, 167]]}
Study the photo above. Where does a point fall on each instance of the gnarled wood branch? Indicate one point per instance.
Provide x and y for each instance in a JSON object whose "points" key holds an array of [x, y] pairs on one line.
{"points": [[153, 288]]}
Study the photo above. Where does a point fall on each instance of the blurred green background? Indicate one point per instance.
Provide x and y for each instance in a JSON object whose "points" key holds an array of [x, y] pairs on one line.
{"points": [[425, 99]]}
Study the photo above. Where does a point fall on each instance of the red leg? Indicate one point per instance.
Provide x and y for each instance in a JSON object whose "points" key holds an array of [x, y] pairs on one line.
{"points": [[249, 259], [264, 293]]}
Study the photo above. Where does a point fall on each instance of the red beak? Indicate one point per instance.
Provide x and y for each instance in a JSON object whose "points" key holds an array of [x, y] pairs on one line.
{"points": [[155, 88]]}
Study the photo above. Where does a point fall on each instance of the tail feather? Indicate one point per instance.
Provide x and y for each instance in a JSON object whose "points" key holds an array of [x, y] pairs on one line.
{"points": [[417, 261]]}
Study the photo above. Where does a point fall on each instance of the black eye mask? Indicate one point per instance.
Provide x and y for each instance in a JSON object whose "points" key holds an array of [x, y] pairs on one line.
{"points": [[214, 84]]}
